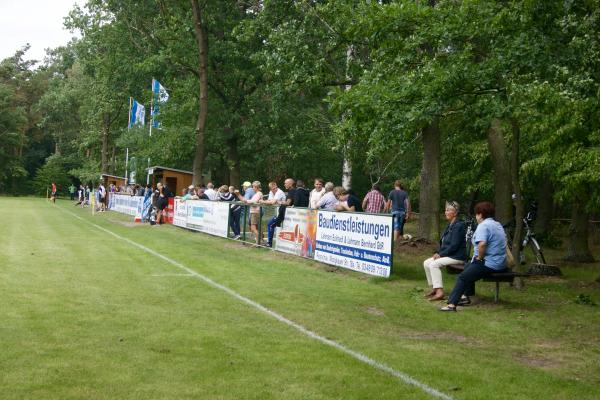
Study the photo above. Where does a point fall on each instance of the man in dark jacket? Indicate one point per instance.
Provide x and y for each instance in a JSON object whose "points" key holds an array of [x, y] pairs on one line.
{"points": [[452, 250]]}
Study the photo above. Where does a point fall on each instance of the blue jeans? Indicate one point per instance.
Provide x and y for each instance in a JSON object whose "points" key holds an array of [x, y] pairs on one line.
{"points": [[465, 284], [399, 218], [273, 222], [234, 220]]}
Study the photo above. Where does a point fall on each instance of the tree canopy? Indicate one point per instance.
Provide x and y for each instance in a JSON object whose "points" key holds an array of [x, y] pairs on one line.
{"points": [[473, 99]]}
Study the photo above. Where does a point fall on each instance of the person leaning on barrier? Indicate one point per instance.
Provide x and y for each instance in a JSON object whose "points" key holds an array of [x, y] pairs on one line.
{"points": [[210, 191], [347, 201], [489, 243], [301, 195], [276, 198], [452, 251], [200, 195], [234, 210], [317, 193], [254, 210], [186, 194], [328, 201]]}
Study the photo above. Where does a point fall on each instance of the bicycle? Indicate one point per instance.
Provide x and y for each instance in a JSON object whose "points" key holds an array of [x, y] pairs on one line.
{"points": [[528, 237], [471, 226]]}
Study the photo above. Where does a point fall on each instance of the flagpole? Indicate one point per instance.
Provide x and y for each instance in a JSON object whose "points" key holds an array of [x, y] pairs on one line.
{"points": [[126, 162], [130, 105], [152, 108], [151, 123]]}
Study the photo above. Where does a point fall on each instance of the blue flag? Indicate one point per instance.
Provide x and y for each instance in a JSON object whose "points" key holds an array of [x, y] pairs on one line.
{"points": [[160, 97], [137, 114]]}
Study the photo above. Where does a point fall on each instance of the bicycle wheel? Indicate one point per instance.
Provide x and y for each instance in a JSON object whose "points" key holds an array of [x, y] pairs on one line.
{"points": [[537, 251]]}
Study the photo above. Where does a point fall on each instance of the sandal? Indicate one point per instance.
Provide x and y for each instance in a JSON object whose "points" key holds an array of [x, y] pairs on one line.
{"points": [[448, 308], [437, 297], [429, 294]]}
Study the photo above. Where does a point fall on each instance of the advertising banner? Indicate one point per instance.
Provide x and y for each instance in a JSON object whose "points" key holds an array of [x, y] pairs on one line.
{"points": [[180, 213], [360, 242], [208, 216], [126, 204], [297, 233]]}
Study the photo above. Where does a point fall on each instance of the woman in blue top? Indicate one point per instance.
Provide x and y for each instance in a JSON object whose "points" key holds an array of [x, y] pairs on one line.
{"points": [[489, 242]]}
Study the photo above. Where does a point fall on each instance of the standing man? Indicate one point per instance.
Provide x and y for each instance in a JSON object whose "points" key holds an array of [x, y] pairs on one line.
{"points": [[399, 204], [53, 194], [210, 192], [302, 195], [287, 201], [72, 189], [276, 196]]}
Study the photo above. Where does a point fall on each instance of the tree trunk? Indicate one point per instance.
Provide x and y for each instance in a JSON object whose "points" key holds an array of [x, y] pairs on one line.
{"points": [[233, 162], [501, 167], [112, 161], [104, 152], [429, 197], [578, 249], [202, 42], [519, 209], [545, 198], [347, 163]]}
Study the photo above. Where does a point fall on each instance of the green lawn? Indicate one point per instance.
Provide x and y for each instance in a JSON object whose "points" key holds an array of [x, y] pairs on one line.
{"points": [[85, 315]]}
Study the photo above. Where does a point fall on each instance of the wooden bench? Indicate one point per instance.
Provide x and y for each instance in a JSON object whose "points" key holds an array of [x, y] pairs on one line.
{"points": [[496, 277]]}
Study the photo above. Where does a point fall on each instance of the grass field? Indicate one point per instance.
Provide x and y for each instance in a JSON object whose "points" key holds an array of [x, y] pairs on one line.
{"points": [[87, 315]]}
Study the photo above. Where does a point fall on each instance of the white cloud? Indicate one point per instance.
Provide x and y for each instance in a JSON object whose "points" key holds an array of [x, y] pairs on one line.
{"points": [[37, 22]]}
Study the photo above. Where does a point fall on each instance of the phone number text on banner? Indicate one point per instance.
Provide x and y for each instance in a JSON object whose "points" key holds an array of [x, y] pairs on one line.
{"points": [[360, 242]]}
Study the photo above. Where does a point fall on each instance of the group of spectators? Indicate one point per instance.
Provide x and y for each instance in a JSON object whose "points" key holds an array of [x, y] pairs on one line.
{"points": [[324, 196]]}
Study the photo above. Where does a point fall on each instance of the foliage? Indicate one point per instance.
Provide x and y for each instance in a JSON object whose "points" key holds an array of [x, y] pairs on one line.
{"points": [[296, 87]]}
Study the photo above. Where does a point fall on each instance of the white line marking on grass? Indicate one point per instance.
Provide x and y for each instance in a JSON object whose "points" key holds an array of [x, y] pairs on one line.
{"points": [[355, 354]]}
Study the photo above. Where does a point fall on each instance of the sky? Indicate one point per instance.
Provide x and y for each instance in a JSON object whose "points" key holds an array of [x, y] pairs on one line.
{"points": [[37, 22]]}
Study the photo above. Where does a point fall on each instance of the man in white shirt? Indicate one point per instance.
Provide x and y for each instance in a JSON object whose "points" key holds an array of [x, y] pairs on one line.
{"points": [[276, 196], [210, 192]]}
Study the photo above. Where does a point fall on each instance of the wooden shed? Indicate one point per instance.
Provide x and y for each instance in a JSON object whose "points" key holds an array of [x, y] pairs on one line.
{"points": [[175, 179], [115, 180]]}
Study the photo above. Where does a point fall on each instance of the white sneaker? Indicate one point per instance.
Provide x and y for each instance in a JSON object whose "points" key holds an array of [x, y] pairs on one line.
{"points": [[236, 237]]}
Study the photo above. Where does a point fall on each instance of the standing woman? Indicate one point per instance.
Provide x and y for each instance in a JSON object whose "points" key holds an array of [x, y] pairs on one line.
{"points": [[254, 210], [452, 250], [489, 242], [161, 202]]}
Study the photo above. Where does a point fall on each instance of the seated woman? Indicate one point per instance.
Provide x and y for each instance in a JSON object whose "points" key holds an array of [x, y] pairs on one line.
{"points": [[489, 242], [452, 250]]}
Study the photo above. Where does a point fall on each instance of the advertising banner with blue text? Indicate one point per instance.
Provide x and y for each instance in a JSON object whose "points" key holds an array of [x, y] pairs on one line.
{"points": [[360, 242]]}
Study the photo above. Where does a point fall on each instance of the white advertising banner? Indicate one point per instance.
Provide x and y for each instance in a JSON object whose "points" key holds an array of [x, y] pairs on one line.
{"points": [[360, 242], [297, 233], [180, 213], [207, 216], [126, 204]]}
